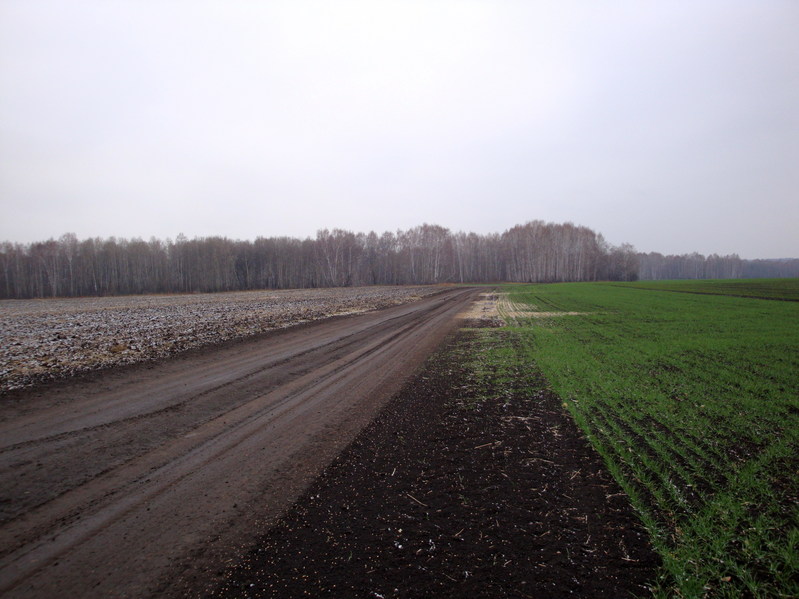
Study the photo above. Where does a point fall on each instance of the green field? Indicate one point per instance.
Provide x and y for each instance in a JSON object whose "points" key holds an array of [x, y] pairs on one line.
{"points": [[692, 400], [778, 289]]}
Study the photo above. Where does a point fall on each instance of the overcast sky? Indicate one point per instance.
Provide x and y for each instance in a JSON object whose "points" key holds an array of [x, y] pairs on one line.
{"points": [[673, 126]]}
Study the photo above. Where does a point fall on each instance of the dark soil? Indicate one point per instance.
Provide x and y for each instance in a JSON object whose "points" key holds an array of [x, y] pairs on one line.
{"points": [[462, 487]]}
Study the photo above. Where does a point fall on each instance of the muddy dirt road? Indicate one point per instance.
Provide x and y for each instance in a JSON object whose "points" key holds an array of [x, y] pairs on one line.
{"points": [[137, 479]]}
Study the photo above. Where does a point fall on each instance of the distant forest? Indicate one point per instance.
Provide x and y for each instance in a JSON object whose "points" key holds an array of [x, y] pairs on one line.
{"points": [[533, 252]]}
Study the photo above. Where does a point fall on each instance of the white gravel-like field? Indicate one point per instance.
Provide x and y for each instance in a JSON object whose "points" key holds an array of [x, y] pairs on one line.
{"points": [[48, 339]]}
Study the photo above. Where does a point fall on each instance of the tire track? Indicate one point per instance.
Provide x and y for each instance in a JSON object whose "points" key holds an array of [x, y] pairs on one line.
{"points": [[129, 528]]}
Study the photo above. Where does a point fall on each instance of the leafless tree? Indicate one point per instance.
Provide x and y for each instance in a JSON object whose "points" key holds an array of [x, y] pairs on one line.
{"points": [[533, 252]]}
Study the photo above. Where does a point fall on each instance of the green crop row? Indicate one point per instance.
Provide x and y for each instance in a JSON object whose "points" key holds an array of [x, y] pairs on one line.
{"points": [[692, 399]]}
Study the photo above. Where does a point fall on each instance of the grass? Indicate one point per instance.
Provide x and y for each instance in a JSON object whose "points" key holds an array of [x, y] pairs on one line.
{"points": [[691, 398], [781, 289]]}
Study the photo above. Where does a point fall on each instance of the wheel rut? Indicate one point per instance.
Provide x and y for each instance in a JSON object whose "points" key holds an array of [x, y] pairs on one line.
{"points": [[188, 459]]}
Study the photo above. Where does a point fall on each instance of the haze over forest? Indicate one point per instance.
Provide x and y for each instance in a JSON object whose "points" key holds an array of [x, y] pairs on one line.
{"points": [[426, 254], [669, 125]]}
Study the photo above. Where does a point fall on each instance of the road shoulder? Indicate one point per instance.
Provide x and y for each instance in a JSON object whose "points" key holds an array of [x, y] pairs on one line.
{"points": [[457, 489]]}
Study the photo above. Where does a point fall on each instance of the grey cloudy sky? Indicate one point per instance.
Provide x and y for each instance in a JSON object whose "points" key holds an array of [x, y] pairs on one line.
{"points": [[670, 125]]}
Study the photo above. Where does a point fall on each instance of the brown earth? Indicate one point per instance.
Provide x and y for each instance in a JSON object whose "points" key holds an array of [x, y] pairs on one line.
{"points": [[57, 338], [200, 476], [139, 481], [460, 488]]}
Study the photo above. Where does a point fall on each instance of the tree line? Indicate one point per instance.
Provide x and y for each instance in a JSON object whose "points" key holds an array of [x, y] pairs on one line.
{"points": [[654, 266], [530, 253], [533, 252]]}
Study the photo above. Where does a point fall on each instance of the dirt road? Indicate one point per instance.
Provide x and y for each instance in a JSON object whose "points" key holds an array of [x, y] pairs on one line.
{"points": [[128, 483]]}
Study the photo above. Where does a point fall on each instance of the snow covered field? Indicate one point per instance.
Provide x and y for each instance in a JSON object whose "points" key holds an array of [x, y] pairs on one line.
{"points": [[48, 339]]}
